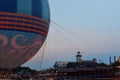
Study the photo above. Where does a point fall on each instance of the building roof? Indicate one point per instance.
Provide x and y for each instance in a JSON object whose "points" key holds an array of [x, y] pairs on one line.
{"points": [[66, 70], [81, 64], [104, 67], [84, 69]]}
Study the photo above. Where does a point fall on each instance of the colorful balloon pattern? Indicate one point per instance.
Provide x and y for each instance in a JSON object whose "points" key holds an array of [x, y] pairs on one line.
{"points": [[24, 26]]}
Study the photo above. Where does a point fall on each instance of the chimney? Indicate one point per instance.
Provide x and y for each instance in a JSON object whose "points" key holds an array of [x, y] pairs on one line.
{"points": [[110, 60], [114, 59]]}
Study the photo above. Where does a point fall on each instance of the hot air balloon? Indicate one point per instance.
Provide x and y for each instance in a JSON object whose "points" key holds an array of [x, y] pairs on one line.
{"points": [[24, 26]]}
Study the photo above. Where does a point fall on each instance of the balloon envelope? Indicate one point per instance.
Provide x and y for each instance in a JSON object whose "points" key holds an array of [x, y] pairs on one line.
{"points": [[24, 26]]}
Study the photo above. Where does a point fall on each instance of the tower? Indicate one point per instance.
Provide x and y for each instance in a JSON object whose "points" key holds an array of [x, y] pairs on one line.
{"points": [[78, 57]]}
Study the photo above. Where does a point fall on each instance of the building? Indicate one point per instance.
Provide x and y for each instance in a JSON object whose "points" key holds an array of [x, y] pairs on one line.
{"points": [[84, 69]]}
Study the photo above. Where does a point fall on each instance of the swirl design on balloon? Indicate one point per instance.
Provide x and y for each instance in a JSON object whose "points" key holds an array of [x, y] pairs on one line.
{"points": [[16, 54], [14, 42], [4, 40]]}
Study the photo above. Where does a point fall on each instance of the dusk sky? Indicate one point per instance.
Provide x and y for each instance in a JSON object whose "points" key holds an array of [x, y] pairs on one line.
{"points": [[95, 28]]}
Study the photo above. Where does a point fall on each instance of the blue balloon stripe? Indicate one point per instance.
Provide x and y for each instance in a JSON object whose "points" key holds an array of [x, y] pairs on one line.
{"points": [[20, 22], [23, 16], [26, 20], [23, 22], [20, 26], [21, 30], [26, 7], [10, 29]]}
